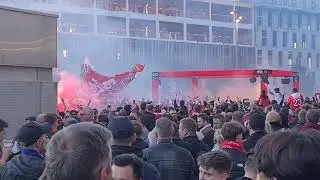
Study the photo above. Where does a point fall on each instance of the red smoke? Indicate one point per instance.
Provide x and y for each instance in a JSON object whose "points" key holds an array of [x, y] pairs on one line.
{"points": [[73, 92]]}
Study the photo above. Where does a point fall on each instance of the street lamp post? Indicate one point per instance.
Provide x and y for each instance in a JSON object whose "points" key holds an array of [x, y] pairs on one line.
{"points": [[237, 20]]}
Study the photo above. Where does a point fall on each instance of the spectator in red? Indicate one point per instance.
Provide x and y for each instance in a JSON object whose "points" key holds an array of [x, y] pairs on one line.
{"points": [[312, 120], [264, 100], [232, 144], [295, 100]]}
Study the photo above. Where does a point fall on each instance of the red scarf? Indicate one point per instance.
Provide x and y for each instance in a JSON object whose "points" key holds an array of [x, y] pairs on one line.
{"points": [[232, 145]]}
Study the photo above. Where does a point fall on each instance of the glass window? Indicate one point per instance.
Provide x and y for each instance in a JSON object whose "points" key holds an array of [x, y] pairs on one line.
{"points": [[290, 58], [280, 21], [304, 41], [259, 60], [318, 61], [196, 9], [274, 39], [259, 21], [299, 60], [270, 57], [171, 8], [289, 20], [284, 39], [222, 35], [309, 61], [142, 6], [294, 40], [142, 28], [264, 38], [313, 42], [245, 37], [270, 18], [299, 20], [280, 58]]}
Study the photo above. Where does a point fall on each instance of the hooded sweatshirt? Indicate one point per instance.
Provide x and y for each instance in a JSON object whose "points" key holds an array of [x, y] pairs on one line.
{"points": [[23, 167]]}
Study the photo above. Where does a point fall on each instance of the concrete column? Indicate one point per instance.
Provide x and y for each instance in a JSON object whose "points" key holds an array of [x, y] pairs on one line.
{"points": [[157, 7], [185, 31], [210, 33], [95, 24], [184, 8], [127, 5], [127, 26], [210, 10], [157, 30]]}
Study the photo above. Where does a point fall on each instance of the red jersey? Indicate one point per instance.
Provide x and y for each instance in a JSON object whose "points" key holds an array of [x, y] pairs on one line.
{"points": [[295, 101], [264, 101]]}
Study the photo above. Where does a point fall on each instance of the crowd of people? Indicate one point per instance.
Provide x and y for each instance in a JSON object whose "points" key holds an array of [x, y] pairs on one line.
{"points": [[230, 140]]}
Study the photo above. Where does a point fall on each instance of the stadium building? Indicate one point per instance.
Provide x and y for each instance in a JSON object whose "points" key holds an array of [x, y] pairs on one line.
{"points": [[186, 34]]}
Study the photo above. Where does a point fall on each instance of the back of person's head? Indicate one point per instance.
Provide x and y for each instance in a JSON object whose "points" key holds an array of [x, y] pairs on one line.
{"points": [[168, 115], [288, 155], [150, 108], [295, 90], [143, 106], [122, 130], [313, 116], [231, 130], [189, 124], [69, 121], [228, 116], [215, 162], [80, 151], [40, 118], [164, 128], [104, 119], [238, 116], [50, 118], [273, 117], [125, 161], [302, 115], [31, 118], [257, 121]]}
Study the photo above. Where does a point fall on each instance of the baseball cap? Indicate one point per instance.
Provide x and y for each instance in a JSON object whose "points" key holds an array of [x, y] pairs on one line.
{"points": [[29, 133], [121, 128]]}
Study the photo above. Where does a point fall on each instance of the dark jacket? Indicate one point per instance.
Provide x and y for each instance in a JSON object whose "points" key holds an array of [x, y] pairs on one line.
{"points": [[172, 161], [197, 147], [243, 178], [118, 150], [252, 140], [140, 143], [182, 144], [150, 172], [208, 134], [238, 162], [148, 119], [313, 126], [23, 167]]}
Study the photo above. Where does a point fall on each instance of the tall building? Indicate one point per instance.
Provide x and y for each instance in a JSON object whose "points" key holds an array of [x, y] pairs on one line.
{"points": [[287, 37]]}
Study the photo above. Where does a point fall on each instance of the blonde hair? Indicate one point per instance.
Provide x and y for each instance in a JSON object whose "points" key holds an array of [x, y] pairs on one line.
{"points": [[218, 138]]}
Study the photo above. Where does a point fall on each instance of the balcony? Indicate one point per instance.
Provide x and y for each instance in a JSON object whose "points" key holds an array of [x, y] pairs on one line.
{"points": [[111, 26], [142, 28], [171, 7], [197, 33], [171, 31], [143, 6]]}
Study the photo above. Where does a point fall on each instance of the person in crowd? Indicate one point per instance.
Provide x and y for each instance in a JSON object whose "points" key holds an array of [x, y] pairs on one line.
{"points": [[128, 109], [302, 116], [40, 118], [256, 130], [123, 136], [79, 151], [278, 97], [127, 167], [103, 119], [288, 155], [264, 100], [87, 115], [188, 133], [237, 116], [232, 144], [138, 142], [250, 169], [31, 118], [312, 118], [172, 161], [273, 122], [137, 116], [228, 116], [295, 100], [69, 121], [5, 152], [218, 121], [29, 164], [218, 140], [177, 141], [143, 107], [148, 117], [50, 123], [206, 129], [215, 165]]}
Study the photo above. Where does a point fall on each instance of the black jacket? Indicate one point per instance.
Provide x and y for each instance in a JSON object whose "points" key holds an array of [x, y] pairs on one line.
{"points": [[148, 119], [140, 143], [182, 144], [197, 147], [252, 140], [172, 161], [238, 162], [23, 167], [150, 172]]}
